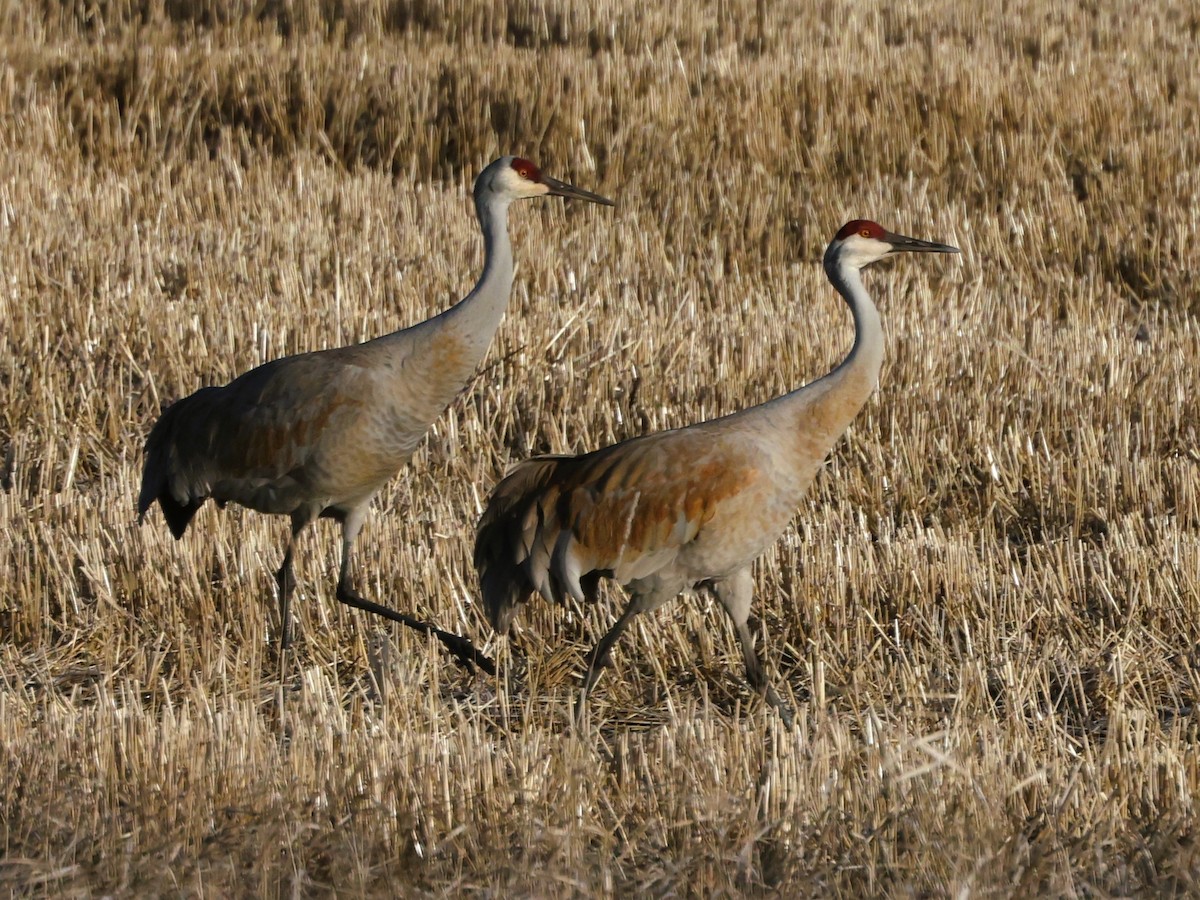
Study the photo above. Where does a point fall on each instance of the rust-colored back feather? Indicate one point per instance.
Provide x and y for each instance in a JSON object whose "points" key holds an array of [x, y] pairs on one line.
{"points": [[555, 524]]}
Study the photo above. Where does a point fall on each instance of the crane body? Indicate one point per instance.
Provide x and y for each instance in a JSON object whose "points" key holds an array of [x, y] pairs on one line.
{"points": [[319, 434], [688, 508]]}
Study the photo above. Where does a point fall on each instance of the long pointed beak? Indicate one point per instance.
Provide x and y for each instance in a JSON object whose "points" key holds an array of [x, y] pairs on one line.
{"points": [[901, 243], [562, 189]]}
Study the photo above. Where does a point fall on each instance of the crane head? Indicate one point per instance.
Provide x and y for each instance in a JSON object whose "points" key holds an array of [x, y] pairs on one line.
{"points": [[861, 242], [516, 178]]}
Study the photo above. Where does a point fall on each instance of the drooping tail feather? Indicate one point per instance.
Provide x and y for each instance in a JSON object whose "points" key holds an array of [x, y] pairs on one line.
{"points": [[157, 474], [178, 515], [504, 549]]}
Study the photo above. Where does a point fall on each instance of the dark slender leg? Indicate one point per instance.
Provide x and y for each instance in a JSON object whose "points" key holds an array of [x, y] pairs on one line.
{"points": [[464, 651], [735, 595], [755, 675], [599, 657], [285, 578]]}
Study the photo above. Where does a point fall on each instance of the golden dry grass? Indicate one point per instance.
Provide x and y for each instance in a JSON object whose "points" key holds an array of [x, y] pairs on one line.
{"points": [[986, 612]]}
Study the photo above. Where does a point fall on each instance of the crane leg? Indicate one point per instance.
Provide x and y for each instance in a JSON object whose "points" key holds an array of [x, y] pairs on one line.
{"points": [[285, 579], [464, 651], [735, 595], [649, 595], [599, 658]]}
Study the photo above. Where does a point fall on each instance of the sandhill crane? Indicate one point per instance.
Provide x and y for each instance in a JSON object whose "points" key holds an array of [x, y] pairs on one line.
{"points": [[318, 434], [687, 508]]}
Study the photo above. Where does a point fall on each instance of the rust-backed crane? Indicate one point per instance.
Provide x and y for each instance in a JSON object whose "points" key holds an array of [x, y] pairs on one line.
{"points": [[687, 508]]}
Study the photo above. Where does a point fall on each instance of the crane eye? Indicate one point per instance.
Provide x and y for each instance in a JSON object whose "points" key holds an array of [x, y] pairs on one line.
{"points": [[865, 232]]}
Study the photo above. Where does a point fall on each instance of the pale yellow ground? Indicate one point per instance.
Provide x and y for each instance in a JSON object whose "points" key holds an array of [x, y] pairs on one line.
{"points": [[987, 611]]}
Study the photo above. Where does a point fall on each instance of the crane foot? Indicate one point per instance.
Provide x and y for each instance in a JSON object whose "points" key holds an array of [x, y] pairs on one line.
{"points": [[462, 649]]}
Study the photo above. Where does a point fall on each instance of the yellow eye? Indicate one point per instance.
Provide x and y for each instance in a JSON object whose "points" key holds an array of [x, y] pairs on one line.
{"points": [[865, 232]]}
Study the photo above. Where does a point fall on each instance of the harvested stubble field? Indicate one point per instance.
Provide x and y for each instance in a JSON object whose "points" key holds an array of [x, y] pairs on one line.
{"points": [[985, 613]]}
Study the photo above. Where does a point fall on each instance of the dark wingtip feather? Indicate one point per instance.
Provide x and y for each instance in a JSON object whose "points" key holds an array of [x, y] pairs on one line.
{"points": [[503, 579], [155, 475], [177, 514], [498, 583], [502, 582]]}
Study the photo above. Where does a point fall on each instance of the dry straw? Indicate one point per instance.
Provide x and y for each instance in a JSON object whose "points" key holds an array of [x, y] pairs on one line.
{"points": [[986, 612]]}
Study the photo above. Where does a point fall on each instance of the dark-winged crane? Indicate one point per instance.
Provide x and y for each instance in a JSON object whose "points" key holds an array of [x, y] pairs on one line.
{"points": [[318, 434]]}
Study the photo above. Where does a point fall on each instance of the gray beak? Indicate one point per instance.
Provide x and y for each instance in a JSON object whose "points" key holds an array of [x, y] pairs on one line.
{"points": [[562, 189], [901, 243]]}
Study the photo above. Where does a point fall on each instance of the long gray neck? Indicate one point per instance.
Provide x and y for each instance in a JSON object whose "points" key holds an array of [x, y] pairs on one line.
{"points": [[476, 317], [819, 412], [859, 371]]}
